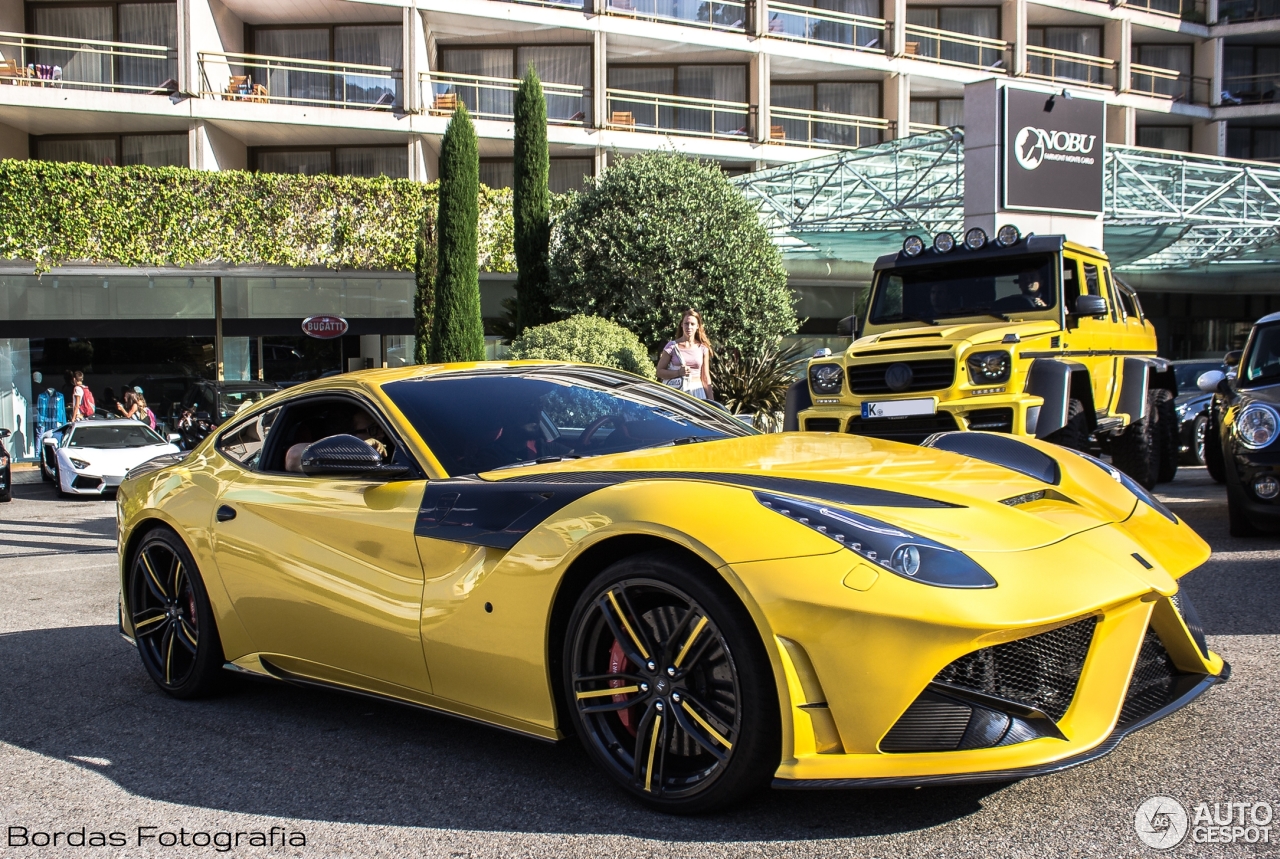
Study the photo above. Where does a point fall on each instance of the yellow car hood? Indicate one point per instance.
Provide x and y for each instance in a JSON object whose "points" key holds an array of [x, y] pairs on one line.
{"points": [[949, 333]]}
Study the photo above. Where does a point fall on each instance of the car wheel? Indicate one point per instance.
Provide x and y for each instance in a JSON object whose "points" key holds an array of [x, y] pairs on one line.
{"points": [[1075, 434], [1198, 431], [172, 620], [669, 686], [1137, 450], [1237, 520], [1168, 434], [1213, 458]]}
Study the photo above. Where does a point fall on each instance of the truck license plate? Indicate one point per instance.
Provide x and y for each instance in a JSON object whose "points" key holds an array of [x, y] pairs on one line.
{"points": [[899, 408]]}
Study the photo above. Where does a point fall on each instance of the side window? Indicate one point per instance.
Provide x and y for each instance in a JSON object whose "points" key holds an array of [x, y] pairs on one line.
{"points": [[1131, 303], [1091, 281], [243, 444], [1070, 284], [1111, 295], [311, 420]]}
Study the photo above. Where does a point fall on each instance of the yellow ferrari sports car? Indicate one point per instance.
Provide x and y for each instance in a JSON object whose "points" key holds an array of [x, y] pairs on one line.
{"points": [[559, 549]]}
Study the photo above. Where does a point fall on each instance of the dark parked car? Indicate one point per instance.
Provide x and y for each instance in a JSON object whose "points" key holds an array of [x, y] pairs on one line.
{"points": [[6, 475], [208, 404], [1192, 405], [1244, 425]]}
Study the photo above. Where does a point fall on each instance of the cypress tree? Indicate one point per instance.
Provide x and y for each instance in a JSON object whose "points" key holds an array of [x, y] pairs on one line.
{"points": [[457, 332], [531, 205], [424, 297]]}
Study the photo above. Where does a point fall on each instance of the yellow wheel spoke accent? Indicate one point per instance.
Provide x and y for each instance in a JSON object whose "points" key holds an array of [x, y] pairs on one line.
{"points": [[168, 662], [653, 747], [600, 693], [705, 726], [139, 624], [627, 625], [693, 636], [146, 562], [182, 628]]}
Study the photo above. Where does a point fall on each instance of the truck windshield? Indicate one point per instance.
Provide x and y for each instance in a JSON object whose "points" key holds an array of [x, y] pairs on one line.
{"points": [[955, 288]]}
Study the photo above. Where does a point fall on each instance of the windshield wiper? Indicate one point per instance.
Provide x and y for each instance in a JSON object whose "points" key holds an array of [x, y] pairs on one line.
{"points": [[688, 439], [977, 312]]}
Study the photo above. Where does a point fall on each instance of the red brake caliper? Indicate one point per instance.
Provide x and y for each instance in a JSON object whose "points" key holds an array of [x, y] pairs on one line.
{"points": [[618, 665]]}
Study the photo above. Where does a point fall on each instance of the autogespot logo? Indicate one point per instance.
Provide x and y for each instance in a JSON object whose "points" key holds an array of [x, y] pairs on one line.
{"points": [[1033, 146], [1161, 822]]}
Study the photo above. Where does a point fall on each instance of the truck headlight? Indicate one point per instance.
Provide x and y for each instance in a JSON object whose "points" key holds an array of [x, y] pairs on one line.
{"points": [[826, 378], [989, 367], [885, 546], [1257, 425]]}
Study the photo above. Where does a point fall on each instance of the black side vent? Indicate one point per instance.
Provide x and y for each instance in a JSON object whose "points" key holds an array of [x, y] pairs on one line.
{"points": [[991, 420], [1191, 618], [1039, 672], [82, 482], [1055, 341], [1155, 681]]}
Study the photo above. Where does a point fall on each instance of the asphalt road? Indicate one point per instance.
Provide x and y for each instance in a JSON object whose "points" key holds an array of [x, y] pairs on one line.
{"points": [[87, 742]]}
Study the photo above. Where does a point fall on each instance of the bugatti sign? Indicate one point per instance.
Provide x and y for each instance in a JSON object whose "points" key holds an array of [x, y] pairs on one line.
{"points": [[324, 327], [1053, 152]]}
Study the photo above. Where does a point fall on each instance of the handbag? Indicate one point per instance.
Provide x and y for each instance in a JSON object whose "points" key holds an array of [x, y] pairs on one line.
{"points": [[678, 381]]}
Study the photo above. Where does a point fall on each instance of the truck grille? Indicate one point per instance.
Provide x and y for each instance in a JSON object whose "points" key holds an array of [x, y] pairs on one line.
{"points": [[906, 430], [929, 375]]}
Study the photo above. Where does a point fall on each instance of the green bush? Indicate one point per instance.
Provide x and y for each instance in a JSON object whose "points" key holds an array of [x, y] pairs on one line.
{"points": [[588, 340], [660, 232]]}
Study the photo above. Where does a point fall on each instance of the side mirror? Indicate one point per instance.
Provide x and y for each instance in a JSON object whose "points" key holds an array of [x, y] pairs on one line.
{"points": [[175, 437], [847, 326], [346, 456], [1090, 305], [1232, 358], [1208, 381]]}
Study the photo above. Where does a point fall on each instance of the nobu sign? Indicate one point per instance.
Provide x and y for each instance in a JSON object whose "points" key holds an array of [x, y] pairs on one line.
{"points": [[1053, 152]]}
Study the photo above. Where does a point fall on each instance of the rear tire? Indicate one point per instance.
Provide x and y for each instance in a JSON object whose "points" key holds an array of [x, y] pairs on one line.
{"points": [[1169, 434], [1213, 461], [1238, 523], [1136, 451], [1075, 434]]}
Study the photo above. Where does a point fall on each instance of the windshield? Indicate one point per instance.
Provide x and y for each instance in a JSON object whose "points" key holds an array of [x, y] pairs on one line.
{"points": [[1260, 364], [114, 437], [1187, 374], [479, 422], [989, 287]]}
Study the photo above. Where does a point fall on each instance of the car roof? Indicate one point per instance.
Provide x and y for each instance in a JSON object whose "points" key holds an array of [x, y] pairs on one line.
{"points": [[1270, 317], [101, 422]]}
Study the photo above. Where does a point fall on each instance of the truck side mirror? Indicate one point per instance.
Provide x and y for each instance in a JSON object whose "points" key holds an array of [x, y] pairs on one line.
{"points": [[1208, 381], [1091, 305], [1232, 358], [847, 326]]}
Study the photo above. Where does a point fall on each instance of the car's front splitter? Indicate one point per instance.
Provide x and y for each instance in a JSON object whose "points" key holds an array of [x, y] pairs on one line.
{"points": [[1193, 689]]}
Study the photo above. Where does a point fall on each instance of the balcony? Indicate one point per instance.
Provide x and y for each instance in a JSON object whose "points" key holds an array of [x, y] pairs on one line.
{"points": [[1069, 67], [825, 130], [955, 49], [713, 14], [1168, 83], [88, 64], [288, 80], [575, 5], [1239, 11], [1250, 89], [494, 98], [825, 27], [661, 113]]}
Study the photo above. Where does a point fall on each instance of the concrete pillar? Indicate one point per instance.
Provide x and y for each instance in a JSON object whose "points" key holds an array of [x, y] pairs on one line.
{"points": [[1122, 125], [14, 143], [897, 103], [188, 66], [601, 158], [599, 80], [1209, 138], [210, 26], [371, 350], [758, 94], [211, 148], [414, 54], [1206, 62], [759, 20], [424, 159], [895, 11], [1013, 29], [1211, 11], [1117, 43]]}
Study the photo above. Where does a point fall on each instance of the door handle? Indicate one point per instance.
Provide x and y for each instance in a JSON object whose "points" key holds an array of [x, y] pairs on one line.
{"points": [[226, 513]]}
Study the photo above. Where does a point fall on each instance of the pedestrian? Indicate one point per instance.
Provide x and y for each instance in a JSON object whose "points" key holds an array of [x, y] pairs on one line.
{"points": [[128, 405], [685, 362], [144, 413], [82, 403]]}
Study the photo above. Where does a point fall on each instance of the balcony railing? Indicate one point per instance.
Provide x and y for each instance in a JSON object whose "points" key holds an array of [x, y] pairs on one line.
{"points": [[575, 5], [1237, 11], [825, 130], [87, 64], [1054, 65], [713, 14], [657, 112], [287, 80], [825, 27], [494, 98], [955, 49], [1250, 89], [925, 127], [1168, 83]]}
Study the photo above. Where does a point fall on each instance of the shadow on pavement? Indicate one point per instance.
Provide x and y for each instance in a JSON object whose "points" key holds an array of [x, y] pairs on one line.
{"points": [[269, 749]]}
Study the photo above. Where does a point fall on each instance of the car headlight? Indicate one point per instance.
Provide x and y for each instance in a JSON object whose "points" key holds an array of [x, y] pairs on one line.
{"points": [[826, 378], [78, 463], [885, 546], [988, 367], [1257, 425], [1132, 485]]}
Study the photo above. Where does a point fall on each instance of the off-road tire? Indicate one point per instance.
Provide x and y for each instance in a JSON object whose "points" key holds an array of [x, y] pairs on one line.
{"points": [[1169, 434], [1137, 450], [1213, 461], [1238, 523], [1075, 434]]}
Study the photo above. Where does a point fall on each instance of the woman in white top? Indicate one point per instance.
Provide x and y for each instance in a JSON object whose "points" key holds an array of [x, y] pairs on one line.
{"points": [[685, 362]]}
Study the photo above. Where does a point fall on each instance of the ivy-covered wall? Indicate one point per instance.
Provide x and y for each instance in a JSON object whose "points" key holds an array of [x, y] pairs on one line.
{"points": [[53, 214]]}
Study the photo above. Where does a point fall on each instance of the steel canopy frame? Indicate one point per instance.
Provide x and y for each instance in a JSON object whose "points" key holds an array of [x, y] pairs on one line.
{"points": [[1195, 210]]}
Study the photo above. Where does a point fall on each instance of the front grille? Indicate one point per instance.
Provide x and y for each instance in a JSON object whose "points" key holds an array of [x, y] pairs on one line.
{"points": [[822, 424], [1040, 671], [1154, 683], [991, 420], [931, 724], [929, 375], [82, 482], [908, 430]]}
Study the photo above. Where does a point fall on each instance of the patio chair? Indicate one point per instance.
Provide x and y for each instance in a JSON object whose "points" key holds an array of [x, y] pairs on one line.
{"points": [[259, 94], [445, 102], [12, 73], [623, 119], [911, 49], [238, 87], [777, 132], [387, 99]]}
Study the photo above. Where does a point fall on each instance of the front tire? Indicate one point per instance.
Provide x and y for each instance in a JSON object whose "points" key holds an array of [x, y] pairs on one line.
{"points": [[1168, 431], [1214, 461], [1136, 451], [173, 622], [1075, 434], [1238, 523], [1199, 436], [695, 723]]}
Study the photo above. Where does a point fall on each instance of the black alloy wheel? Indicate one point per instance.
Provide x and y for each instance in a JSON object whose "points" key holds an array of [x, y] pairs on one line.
{"points": [[172, 620], [669, 686], [1198, 431]]}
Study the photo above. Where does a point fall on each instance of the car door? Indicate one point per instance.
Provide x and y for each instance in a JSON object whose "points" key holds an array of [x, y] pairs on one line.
{"points": [[323, 571], [1095, 338]]}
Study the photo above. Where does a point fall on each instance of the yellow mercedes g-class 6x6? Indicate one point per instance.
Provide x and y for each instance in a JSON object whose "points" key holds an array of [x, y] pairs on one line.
{"points": [[1025, 335]]}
